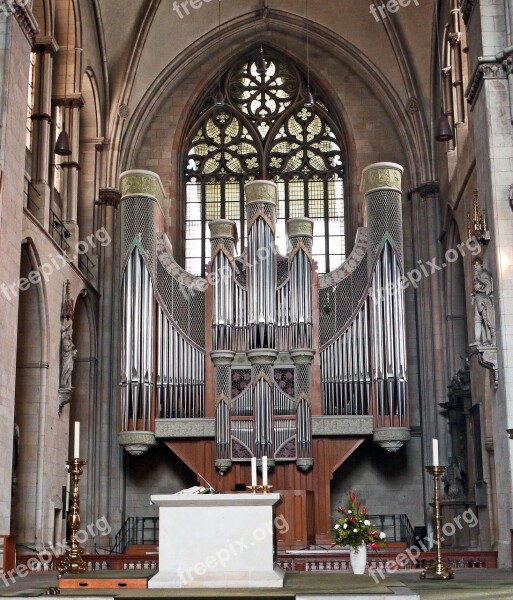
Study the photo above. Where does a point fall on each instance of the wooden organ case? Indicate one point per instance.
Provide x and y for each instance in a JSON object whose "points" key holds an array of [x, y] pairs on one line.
{"points": [[263, 357]]}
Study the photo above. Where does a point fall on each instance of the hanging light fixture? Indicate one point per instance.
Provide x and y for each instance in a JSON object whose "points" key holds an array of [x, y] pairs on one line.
{"points": [[443, 129], [443, 132], [261, 65], [219, 96], [309, 100], [63, 145]]}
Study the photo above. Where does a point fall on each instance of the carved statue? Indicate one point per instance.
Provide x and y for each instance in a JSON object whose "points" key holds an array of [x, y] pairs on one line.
{"points": [[69, 353], [484, 310], [453, 479]]}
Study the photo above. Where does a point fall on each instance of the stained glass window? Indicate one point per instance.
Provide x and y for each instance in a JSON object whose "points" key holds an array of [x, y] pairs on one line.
{"points": [[263, 130]]}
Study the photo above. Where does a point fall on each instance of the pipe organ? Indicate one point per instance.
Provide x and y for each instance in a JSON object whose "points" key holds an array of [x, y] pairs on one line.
{"points": [[263, 357]]}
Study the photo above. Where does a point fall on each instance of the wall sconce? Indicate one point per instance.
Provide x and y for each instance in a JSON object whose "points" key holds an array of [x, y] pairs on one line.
{"points": [[476, 223]]}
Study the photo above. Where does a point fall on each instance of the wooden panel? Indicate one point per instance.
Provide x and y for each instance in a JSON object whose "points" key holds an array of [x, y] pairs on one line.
{"points": [[94, 583], [328, 453]]}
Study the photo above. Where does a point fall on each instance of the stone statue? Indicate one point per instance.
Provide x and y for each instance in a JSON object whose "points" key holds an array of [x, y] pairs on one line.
{"points": [[484, 310], [69, 353], [453, 479]]}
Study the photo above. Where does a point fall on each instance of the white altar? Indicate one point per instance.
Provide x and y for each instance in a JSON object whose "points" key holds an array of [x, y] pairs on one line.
{"points": [[216, 541]]}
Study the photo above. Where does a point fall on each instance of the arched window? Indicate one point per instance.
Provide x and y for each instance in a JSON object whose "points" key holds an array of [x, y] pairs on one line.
{"points": [[263, 129]]}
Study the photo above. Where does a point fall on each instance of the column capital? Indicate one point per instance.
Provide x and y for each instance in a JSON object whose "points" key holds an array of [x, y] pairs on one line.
{"points": [[46, 43]]}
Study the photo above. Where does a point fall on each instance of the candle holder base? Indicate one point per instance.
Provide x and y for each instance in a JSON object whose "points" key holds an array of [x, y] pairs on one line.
{"points": [[266, 489], [438, 569], [254, 489], [72, 562]]}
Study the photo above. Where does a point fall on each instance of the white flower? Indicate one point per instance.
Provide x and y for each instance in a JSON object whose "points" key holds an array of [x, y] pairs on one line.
{"points": [[366, 522], [337, 526], [355, 530], [349, 512], [382, 535], [345, 526]]}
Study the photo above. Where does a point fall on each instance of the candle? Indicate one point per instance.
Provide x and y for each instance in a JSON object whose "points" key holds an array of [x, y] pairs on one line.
{"points": [[435, 453], [253, 472], [264, 470], [68, 490], [76, 452]]}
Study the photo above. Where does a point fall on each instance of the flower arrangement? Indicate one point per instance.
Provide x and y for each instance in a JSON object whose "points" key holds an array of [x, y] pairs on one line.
{"points": [[354, 529]]}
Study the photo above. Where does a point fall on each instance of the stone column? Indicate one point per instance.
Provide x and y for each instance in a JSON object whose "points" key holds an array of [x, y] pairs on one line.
{"points": [[489, 94], [42, 154]]}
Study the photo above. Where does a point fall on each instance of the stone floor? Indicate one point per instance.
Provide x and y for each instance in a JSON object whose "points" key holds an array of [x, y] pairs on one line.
{"points": [[492, 584]]}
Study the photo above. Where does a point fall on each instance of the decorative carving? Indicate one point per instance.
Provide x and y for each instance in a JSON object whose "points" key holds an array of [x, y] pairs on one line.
{"points": [[358, 255], [109, 197], [489, 70], [123, 111], [487, 357], [68, 350], [392, 439], [453, 479], [142, 183], [467, 6], [412, 105], [165, 257], [484, 309], [23, 14], [301, 226], [222, 228], [261, 191], [382, 176]]}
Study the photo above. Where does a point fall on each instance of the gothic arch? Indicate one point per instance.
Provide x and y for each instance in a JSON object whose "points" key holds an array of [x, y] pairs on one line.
{"points": [[242, 33], [31, 398]]}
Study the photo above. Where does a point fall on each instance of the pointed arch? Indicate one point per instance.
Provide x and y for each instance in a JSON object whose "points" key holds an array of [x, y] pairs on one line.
{"points": [[257, 123]]}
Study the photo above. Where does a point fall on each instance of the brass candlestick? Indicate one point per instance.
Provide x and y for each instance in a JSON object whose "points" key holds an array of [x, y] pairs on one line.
{"points": [[440, 568], [266, 489], [254, 489], [72, 561]]}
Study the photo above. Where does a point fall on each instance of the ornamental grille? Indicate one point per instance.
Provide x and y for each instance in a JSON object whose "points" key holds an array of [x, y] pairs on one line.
{"points": [[338, 304], [282, 264], [305, 240], [139, 222], [385, 211], [302, 380], [223, 380], [264, 130], [186, 305]]}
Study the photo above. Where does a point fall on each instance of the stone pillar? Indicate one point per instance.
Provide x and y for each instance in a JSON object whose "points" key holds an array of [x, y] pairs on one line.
{"points": [[42, 154], [489, 94], [431, 330]]}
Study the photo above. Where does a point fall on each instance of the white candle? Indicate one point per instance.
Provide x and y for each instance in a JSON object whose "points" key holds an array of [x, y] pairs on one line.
{"points": [[76, 452], [435, 453], [264, 470], [253, 472], [68, 490]]}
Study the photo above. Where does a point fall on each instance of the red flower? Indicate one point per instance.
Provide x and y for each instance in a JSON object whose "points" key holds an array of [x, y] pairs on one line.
{"points": [[353, 497], [364, 510], [343, 511], [374, 546], [351, 520]]}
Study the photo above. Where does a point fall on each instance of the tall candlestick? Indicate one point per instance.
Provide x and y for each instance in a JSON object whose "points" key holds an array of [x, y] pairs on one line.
{"points": [[435, 453], [264, 471], [253, 472], [76, 452]]}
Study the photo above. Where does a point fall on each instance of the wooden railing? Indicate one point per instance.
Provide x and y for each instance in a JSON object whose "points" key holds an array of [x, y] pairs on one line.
{"points": [[337, 561], [383, 559], [7, 553]]}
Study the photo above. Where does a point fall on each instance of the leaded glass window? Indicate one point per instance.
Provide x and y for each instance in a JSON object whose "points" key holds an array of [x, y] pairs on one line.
{"points": [[264, 130]]}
